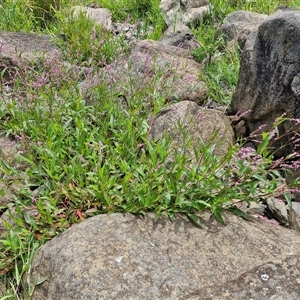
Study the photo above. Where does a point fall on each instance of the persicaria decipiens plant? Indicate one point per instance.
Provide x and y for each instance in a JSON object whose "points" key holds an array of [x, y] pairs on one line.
{"points": [[265, 145]]}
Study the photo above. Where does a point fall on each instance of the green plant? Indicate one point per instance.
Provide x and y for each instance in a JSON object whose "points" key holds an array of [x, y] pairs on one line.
{"points": [[44, 11], [85, 43], [85, 158], [16, 17], [20, 246]]}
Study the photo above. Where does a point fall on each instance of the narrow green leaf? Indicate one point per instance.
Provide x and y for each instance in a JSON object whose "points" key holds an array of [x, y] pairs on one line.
{"points": [[171, 215], [7, 297], [41, 281], [218, 216], [29, 220], [195, 219], [2, 193], [288, 198], [259, 177], [262, 148], [205, 203], [239, 213]]}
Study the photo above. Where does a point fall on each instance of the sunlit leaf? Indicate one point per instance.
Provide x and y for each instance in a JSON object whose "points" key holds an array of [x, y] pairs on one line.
{"points": [[218, 216]]}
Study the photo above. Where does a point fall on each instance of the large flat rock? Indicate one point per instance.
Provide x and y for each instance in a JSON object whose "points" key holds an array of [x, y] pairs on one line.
{"points": [[18, 49], [122, 256], [26, 45]]}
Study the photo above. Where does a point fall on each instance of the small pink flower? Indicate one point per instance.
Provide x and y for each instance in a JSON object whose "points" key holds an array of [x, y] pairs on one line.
{"points": [[246, 152]]}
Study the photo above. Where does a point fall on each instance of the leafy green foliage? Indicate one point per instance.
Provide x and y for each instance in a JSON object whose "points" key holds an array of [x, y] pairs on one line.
{"points": [[86, 159], [16, 17], [44, 11], [89, 46]]}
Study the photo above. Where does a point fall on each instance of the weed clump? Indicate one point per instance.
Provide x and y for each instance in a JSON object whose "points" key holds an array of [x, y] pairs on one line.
{"points": [[81, 159]]}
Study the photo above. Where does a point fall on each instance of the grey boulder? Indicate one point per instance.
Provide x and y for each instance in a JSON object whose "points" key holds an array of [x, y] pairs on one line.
{"points": [[19, 47], [122, 256], [190, 125], [179, 35], [238, 25], [186, 12], [101, 16], [159, 69], [269, 75]]}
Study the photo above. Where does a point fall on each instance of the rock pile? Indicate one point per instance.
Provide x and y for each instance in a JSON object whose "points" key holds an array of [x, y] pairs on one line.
{"points": [[121, 256]]}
